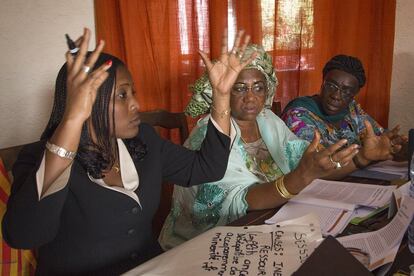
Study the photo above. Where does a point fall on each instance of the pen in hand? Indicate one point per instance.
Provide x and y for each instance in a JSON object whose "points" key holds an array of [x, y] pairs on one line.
{"points": [[73, 49]]}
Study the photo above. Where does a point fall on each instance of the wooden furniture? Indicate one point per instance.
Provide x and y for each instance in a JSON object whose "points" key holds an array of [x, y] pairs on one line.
{"points": [[167, 120], [9, 156], [277, 108]]}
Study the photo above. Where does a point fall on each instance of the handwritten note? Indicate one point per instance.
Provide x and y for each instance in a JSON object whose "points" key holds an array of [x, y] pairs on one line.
{"points": [[277, 249]]}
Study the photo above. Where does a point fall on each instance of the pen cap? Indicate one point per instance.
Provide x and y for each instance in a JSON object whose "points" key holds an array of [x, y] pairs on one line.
{"points": [[410, 148], [71, 45]]}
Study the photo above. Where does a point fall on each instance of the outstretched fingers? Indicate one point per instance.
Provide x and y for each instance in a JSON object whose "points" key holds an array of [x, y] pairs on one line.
{"points": [[345, 155], [206, 60], [369, 130], [235, 49], [313, 146], [90, 62], [81, 55], [245, 43], [97, 77]]}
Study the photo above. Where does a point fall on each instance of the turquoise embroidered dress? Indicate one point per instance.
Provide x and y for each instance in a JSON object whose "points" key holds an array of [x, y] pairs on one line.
{"points": [[199, 208], [303, 122]]}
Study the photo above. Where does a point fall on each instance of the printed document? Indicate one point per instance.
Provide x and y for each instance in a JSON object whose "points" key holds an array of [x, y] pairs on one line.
{"points": [[334, 202]]}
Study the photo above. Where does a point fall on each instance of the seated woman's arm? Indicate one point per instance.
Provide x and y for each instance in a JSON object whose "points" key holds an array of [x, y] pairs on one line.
{"points": [[315, 163], [187, 167], [25, 212], [32, 206]]}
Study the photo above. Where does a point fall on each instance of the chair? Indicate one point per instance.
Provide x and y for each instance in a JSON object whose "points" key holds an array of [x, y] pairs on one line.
{"points": [[277, 108], [166, 120], [9, 156]]}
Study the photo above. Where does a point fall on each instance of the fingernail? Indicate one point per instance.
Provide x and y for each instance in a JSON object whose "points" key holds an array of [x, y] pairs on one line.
{"points": [[108, 63]]}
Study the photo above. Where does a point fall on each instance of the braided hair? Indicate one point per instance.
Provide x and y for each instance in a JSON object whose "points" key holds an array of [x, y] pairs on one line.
{"points": [[94, 156], [349, 64]]}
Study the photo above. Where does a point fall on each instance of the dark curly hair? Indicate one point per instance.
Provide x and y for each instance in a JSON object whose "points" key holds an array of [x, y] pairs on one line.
{"points": [[349, 64], [94, 156]]}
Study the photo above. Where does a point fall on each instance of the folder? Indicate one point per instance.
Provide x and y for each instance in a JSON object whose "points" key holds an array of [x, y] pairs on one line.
{"points": [[331, 258]]}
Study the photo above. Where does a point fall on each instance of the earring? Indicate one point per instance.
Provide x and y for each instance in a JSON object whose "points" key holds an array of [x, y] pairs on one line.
{"points": [[263, 112]]}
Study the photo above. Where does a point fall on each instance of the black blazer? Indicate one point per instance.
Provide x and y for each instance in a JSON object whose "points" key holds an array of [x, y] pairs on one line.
{"points": [[86, 228]]}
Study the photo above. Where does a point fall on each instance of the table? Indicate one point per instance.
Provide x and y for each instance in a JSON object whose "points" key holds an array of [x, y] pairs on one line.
{"points": [[404, 257]]}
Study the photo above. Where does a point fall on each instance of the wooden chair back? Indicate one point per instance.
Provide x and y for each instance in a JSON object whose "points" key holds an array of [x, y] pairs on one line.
{"points": [[9, 156], [277, 108], [167, 120]]}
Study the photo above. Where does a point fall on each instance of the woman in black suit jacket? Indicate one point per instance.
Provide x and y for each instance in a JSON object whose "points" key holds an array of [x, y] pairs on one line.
{"points": [[85, 194]]}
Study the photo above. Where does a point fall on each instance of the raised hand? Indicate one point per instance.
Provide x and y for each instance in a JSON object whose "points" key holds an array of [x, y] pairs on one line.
{"points": [[83, 85], [223, 73], [376, 148], [399, 144], [319, 162]]}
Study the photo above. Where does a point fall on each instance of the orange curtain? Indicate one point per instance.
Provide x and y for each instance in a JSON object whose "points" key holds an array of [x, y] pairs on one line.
{"points": [[159, 40]]}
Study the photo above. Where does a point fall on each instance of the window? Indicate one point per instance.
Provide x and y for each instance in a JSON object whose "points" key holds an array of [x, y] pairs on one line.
{"points": [[294, 29], [294, 21]]}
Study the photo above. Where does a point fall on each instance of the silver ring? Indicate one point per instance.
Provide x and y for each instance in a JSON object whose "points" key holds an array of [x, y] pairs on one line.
{"points": [[240, 55], [234, 51], [337, 164], [86, 69]]}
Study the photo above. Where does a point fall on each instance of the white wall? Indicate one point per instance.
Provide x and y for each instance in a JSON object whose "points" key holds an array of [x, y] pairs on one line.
{"points": [[32, 47], [402, 83]]}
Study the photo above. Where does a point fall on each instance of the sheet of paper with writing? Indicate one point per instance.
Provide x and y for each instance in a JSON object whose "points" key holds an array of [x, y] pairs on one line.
{"points": [[277, 249], [334, 202], [380, 247]]}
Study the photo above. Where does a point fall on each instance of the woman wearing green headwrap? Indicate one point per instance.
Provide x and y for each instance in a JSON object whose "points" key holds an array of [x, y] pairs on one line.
{"points": [[268, 164]]}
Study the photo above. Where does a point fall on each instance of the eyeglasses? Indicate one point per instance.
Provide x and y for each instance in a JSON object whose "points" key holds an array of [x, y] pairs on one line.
{"points": [[346, 92], [240, 89]]}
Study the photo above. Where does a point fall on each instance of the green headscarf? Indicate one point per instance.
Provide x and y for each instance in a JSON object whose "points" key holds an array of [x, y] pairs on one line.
{"points": [[202, 91], [310, 104]]}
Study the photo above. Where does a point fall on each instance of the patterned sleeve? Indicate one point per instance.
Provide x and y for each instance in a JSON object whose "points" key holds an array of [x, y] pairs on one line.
{"points": [[362, 116], [219, 203], [293, 151], [214, 203], [300, 122]]}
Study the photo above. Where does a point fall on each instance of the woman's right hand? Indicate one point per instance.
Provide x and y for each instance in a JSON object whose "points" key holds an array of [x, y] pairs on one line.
{"points": [[320, 163], [223, 73], [82, 86]]}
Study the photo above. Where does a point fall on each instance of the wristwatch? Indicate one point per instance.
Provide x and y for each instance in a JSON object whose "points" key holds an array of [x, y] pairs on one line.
{"points": [[60, 151]]}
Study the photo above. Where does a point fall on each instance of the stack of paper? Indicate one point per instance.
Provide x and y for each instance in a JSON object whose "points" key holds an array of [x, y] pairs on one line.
{"points": [[334, 202], [385, 170], [381, 246]]}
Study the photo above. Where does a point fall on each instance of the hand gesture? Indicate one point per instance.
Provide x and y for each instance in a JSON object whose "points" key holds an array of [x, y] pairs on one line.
{"points": [[376, 148], [223, 73], [319, 163], [399, 144], [81, 84]]}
